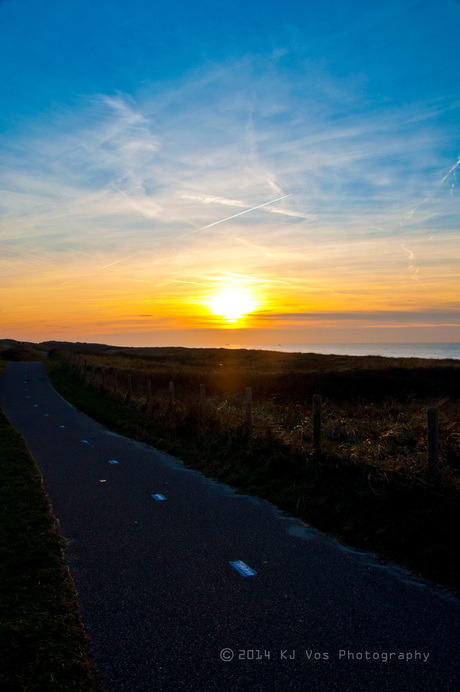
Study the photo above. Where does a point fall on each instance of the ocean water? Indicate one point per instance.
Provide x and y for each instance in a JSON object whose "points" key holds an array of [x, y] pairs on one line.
{"points": [[441, 350]]}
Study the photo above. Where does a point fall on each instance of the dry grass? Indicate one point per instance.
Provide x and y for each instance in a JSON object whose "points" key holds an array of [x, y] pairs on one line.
{"points": [[381, 424]]}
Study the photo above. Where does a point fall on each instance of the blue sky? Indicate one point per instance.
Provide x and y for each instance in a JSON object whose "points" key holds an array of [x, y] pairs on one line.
{"points": [[128, 128]]}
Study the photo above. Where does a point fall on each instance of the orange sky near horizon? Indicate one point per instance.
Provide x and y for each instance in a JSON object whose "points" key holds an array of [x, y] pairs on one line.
{"points": [[354, 291]]}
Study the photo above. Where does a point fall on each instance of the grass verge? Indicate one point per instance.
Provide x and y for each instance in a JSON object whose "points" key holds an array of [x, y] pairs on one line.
{"points": [[43, 645], [410, 520]]}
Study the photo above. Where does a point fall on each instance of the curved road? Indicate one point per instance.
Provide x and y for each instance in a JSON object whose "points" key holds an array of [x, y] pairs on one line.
{"points": [[210, 590]]}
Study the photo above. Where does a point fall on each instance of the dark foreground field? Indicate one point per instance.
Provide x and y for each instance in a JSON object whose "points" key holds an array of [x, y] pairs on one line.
{"points": [[371, 484]]}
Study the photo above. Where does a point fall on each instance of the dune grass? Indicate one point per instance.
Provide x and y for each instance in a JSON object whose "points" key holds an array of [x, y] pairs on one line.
{"points": [[371, 485], [20, 351], [43, 645]]}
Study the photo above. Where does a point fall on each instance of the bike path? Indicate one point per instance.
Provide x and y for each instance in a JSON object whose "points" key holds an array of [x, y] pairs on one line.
{"points": [[163, 604]]}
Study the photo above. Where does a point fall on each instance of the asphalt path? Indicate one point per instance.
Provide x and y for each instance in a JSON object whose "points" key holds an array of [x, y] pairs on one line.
{"points": [[208, 589]]}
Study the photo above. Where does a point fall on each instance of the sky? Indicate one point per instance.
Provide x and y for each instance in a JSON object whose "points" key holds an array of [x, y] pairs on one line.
{"points": [[230, 173]]}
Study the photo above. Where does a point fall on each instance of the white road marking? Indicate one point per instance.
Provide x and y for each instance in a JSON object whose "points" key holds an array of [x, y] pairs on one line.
{"points": [[243, 568], [158, 496]]}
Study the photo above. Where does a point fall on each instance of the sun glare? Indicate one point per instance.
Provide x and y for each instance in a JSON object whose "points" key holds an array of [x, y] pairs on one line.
{"points": [[232, 304]]}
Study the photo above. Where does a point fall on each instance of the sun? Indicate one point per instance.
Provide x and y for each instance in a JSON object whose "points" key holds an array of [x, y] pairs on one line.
{"points": [[232, 304]]}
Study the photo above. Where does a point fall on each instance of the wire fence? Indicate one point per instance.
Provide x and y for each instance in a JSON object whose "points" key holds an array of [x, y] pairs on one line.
{"points": [[315, 430]]}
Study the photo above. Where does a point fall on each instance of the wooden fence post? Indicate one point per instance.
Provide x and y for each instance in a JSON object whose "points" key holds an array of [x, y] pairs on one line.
{"points": [[248, 407], [317, 424], [202, 400], [433, 440]]}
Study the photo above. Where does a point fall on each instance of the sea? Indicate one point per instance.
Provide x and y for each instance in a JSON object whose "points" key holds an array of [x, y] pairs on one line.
{"points": [[389, 350]]}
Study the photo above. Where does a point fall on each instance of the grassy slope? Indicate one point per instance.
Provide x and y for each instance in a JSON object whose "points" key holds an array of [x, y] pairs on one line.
{"points": [[409, 519], [42, 642]]}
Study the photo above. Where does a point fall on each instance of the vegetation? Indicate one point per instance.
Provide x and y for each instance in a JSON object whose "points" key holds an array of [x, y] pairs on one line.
{"points": [[42, 642], [19, 351], [370, 486]]}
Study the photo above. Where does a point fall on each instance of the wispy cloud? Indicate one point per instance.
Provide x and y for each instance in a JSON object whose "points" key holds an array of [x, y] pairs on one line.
{"points": [[208, 199], [413, 269], [233, 216], [98, 196], [452, 172], [123, 162]]}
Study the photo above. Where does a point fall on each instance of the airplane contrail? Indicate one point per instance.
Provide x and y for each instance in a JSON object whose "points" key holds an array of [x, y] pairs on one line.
{"points": [[105, 266], [246, 211], [452, 170]]}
